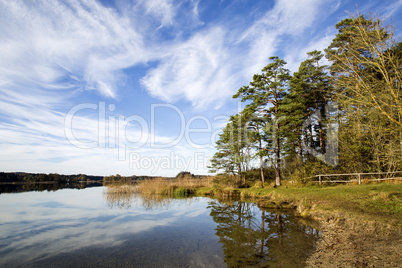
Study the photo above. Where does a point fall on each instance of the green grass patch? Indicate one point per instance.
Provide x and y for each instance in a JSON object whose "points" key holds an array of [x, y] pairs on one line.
{"points": [[204, 191], [181, 192], [376, 203]]}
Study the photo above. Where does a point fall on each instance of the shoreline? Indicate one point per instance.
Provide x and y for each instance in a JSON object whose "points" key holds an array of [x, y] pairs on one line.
{"points": [[378, 205], [352, 235]]}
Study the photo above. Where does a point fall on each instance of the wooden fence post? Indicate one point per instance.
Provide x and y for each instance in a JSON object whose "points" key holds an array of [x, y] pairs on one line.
{"points": [[359, 178], [319, 179]]}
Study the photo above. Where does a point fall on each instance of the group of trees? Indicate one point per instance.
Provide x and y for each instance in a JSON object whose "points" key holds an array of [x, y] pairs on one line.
{"points": [[127, 179], [345, 117], [122, 179], [42, 177]]}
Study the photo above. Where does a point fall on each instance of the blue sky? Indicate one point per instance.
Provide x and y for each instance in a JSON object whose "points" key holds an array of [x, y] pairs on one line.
{"points": [[142, 87]]}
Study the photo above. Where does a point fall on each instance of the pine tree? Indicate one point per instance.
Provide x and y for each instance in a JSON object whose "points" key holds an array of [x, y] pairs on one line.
{"points": [[256, 122], [306, 103], [266, 92], [231, 144]]}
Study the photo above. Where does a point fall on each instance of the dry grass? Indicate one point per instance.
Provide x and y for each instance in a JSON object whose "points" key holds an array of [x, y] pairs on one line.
{"points": [[153, 192], [123, 196], [119, 195], [172, 187]]}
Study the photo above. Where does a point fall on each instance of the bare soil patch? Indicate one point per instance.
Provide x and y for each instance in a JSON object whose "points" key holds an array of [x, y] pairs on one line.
{"points": [[341, 246]]}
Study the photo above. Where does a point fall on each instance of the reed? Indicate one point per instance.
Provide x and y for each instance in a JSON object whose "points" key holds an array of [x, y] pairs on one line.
{"points": [[123, 196], [173, 187], [119, 195]]}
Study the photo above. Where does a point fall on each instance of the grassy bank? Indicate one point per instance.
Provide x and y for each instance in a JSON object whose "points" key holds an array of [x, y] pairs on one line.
{"points": [[377, 204]]}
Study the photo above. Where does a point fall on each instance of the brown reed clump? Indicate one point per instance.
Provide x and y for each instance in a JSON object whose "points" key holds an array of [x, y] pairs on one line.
{"points": [[166, 186], [119, 195]]}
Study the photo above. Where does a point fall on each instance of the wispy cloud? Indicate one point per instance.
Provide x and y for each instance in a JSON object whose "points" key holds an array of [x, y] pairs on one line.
{"points": [[85, 45], [39, 139], [82, 43], [283, 30], [197, 70], [51, 50], [210, 66], [163, 10]]}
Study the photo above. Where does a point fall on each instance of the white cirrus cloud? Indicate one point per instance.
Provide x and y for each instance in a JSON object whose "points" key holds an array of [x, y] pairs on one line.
{"points": [[163, 10], [197, 70], [82, 42], [211, 65], [287, 20]]}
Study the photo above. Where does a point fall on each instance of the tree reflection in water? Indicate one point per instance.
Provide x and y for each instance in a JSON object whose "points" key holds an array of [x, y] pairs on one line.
{"points": [[254, 237]]}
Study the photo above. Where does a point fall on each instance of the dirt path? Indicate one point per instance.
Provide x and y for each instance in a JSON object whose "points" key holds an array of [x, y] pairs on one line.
{"points": [[344, 247]]}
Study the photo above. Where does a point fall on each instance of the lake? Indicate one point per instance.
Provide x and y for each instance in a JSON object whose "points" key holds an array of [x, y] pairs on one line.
{"points": [[92, 228]]}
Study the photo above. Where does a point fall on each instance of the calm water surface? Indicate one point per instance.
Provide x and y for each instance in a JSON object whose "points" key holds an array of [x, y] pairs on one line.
{"points": [[91, 228]]}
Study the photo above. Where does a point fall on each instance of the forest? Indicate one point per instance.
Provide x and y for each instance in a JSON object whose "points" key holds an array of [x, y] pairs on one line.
{"points": [[22, 177], [42, 177], [339, 113]]}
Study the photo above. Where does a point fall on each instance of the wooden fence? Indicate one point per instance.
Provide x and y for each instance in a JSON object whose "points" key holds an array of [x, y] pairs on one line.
{"points": [[358, 177]]}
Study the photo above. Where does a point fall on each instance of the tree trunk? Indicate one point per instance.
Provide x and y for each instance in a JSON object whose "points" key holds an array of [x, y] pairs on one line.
{"points": [[261, 162], [277, 159], [321, 133], [277, 146], [311, 140], [359, 136], [262, 170], [300, 144], [277, 169]]}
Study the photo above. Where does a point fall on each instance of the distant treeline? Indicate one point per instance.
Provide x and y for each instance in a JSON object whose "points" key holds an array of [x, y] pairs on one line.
{"points": [[17, 187], [23, 177], [119, 178], [42, 177]]}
